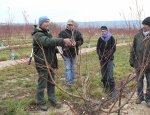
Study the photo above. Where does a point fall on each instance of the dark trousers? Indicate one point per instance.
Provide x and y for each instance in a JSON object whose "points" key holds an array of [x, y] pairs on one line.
{"points": [[44, 81], [107, 71], [141, 84]]}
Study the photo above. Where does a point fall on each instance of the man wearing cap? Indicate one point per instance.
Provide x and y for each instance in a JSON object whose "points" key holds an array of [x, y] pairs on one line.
{"points": [[44, 51], [70, 52], [140, 60], [106, 48]]}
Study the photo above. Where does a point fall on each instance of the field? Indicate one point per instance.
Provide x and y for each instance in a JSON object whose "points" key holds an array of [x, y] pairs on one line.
{"points": [[18, 82]]}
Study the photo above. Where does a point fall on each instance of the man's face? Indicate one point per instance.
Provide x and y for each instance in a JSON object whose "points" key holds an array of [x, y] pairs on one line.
{"points": [[104, 32], [146, 28], [70, 26], [45, 25]]}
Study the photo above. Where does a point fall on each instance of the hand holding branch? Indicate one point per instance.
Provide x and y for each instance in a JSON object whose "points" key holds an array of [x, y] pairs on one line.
{"points": [[68, 42]]}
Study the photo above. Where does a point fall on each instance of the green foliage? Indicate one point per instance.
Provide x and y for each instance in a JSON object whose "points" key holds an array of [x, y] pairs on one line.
{"points": [[2, 58], [16, 107]]}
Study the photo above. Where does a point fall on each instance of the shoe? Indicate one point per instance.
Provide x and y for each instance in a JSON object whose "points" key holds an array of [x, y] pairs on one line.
{"points": [[43, 107], [113, 94], [148, 104], [139, 101], [55, 104]]}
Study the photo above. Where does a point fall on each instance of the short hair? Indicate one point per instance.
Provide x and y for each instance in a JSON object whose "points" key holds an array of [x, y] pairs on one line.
{"points": [[104, 28]]}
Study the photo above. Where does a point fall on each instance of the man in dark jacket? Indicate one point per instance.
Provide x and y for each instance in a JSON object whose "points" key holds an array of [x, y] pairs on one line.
{"points": [[140, 60], [44, 50], [106, 47], [70, 53]]}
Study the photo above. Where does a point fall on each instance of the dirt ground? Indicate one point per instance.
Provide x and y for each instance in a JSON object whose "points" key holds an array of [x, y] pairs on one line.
{"points": [[129, 109], [132, 108]]}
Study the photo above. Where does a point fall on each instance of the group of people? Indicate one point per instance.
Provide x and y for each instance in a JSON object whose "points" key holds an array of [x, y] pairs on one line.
{"points": [[44, 51], [70, 39]]}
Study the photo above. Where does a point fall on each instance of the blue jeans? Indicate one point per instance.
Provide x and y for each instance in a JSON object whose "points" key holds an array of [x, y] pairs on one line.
{"points": [[70, 65], [107, 71], [140, 87]]}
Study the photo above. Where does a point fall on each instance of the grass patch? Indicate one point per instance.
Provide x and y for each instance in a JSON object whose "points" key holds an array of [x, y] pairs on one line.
{"points": [[19, 54], [121, 62], [23, 52], [18, 83]]}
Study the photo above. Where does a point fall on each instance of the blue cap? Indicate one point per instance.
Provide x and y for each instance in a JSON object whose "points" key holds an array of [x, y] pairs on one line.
{"points": [[42, 19]]}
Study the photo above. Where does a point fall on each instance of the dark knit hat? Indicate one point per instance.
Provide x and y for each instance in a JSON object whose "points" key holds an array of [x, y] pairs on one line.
{"points": [[146, 21], [104, 28], [42, 19]]}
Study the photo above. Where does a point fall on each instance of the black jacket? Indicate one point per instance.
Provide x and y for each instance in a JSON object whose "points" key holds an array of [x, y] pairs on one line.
{"points": [[71, 51], [105, 50]]}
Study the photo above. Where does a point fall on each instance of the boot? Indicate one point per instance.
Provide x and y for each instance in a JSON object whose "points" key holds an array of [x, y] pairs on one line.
{"points": [[139, 100], [112, 90], [55, 104], [113, 93], [43, 107]]}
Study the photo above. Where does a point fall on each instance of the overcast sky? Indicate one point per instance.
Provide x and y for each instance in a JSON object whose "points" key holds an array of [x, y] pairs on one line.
{"points": [[79, 10]]}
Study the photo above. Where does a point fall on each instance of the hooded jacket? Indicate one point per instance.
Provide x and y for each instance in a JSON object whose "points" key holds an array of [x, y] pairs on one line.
{"points": [[42, 39]]}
